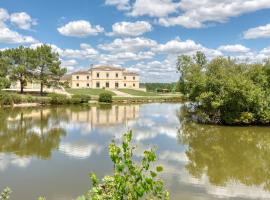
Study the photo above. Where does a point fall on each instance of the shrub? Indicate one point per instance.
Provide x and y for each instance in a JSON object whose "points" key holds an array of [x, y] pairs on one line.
{"points": [[16, 98], [58, 99], [9, 98], [4, 83], [29, 99], [105, 98], [83, 98], [130, 180]]}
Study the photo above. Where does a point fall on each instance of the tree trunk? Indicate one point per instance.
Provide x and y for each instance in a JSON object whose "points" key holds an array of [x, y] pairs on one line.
{"points": [[41, 88], [21, 84]]}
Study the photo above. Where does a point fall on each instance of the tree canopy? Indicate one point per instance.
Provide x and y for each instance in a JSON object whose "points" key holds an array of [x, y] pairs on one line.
{"points": [[226, 91]]}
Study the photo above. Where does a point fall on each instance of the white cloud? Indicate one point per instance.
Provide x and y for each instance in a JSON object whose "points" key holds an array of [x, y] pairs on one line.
{"points": [[237, 48], [130, 28], [9, 36], [177, 47], [257, 32], [128, 44], [22, 20], [3, 15], [120, 4], [198, 13], [80, 28], [153, 8]]}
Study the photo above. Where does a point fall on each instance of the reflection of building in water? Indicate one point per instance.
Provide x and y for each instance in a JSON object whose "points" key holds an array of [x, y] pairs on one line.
{"points": [[117, 114]]}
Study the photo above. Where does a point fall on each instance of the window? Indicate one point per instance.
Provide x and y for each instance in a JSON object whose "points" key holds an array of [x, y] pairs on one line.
{"points": [[125, 77], [116, 85], [107, 75], [107, 84], [87, 77], [97, 85], [116, 75], [78, 85], [78, 77], [88, 84], [97, 75], [133, 84], [125, 85], [133, 77]]}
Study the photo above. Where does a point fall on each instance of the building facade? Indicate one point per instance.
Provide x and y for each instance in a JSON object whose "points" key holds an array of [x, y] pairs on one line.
{"points": [[104, 77]]}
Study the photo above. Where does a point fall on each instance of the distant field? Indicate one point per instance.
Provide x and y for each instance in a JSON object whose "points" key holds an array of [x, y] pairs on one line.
{"points": [[89, 91], [138, 92]]}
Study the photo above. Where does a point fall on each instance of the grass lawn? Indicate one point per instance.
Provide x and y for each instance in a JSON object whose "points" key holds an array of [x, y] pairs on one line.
{"points": [[89, 91], [138, 92]]}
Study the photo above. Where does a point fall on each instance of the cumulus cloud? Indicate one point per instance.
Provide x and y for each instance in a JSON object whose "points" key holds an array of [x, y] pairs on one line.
{"points": [[130, 28], [153, 8], [9, 36], [194, 13], [177, 47], [237, 48], [80, 28], [257, 32], [128, 44], [22, 20], [120, 4]]}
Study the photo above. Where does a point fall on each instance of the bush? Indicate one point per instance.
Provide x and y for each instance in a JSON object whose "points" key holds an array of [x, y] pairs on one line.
{"points": [[105, 98], [82, 98], [9, 98], [58, 99], [4, 83], [130, 180], [5, 195], [29, 99]]}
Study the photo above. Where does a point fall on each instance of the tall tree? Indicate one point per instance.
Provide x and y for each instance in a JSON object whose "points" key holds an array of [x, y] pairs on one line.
{"points": [[22, 65], [48, 70]]}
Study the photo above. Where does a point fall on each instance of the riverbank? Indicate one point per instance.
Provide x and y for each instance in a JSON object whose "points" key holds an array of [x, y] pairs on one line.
{"points": [[12, 99]]}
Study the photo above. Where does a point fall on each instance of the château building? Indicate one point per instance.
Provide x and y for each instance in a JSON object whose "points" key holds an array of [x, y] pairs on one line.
{"points": [[103, 77]]}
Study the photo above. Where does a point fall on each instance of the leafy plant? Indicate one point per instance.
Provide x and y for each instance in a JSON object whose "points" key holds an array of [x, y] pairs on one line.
{"points": [[131, 180], [105, 98], [5, 195]]}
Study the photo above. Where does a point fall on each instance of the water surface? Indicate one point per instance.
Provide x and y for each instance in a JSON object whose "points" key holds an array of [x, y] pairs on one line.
{"points": [[51, 151]]}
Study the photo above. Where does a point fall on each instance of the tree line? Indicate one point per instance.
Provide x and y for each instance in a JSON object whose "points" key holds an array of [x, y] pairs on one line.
{"points": [[24, 64], [225, 90]]}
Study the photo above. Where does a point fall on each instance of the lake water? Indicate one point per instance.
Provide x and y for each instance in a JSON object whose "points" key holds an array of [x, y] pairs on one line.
{"points": [[50, 151]]}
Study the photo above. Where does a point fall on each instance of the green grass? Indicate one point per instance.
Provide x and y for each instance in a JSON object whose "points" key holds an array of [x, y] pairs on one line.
{"points": [[89, 91], [138, 92]]}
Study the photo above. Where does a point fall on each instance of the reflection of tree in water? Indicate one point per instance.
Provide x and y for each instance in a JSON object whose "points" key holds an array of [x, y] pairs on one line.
{"points": [[227, 154], [30, 132]]}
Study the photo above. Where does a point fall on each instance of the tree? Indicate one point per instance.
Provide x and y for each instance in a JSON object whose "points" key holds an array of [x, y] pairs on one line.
{"points": [[225, 90], [21, 60], [47, 67]]}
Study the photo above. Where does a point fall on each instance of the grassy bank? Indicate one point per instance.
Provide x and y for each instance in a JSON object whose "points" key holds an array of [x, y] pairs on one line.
{"points": [[138, 92], [89, 91]]}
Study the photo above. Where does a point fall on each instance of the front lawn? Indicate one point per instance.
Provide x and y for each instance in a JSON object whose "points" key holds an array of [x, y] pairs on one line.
{"points": [[138, 92], [89, 91]]}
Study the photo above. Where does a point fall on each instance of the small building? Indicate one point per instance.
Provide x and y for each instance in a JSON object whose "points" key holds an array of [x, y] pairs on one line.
{"points": [[103, 77]]}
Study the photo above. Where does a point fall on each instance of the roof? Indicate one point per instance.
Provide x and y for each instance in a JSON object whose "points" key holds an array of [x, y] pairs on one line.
{"points": [[107, 68]]}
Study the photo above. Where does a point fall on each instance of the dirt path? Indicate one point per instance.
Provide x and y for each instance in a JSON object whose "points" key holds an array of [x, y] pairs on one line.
{"points": [[120, 94]]}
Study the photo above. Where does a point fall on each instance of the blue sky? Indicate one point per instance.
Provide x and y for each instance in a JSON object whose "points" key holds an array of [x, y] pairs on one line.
{"points": [[142, 35]]}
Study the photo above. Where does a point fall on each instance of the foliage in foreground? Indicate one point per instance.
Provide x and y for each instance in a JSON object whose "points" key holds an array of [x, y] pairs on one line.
{"points": [[129, 181], [226, 91], [5, 194]]}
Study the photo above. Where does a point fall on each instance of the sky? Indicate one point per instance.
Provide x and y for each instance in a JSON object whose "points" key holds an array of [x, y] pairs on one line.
{"points": [[145, 36]]}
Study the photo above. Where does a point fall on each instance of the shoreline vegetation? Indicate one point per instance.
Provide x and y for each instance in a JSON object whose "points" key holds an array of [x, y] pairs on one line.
{"points": [[225, 91], [130, 179]]}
